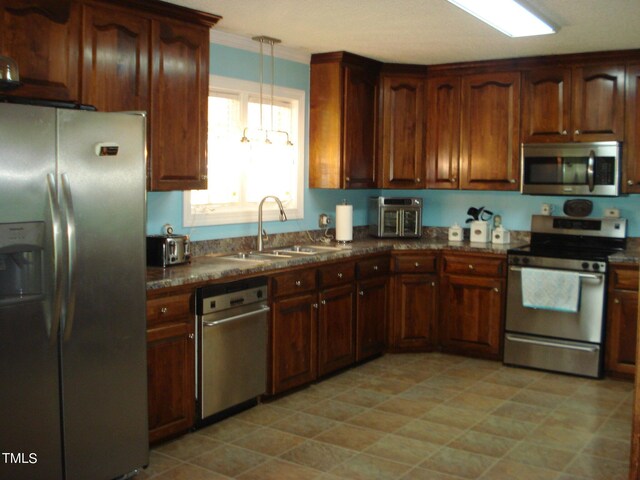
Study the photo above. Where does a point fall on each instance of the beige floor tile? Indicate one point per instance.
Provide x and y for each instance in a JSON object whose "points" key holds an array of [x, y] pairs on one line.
{"points": [[452, 416], [432, 394], [615, 428], [598, 468], [188, 446], [367, 467], [458, 462], [264, 414], [298, 401], [540, 456], [230, 460], [407, 407], [186, 471], [449, 382], [363, 398], [319, 455], [513, 377], [505, 427], [228, 430], [522, 411], [474, 402], [494, 390], [158, 463], [558, 437], [420, 473], [349, 436], [402, 449], [609, 448], [589, 406], [334, 409], [386, 386], [538, 398], [269, 441], [324, 390], [468, 371], [482, 443], [429, 432], [303, 424], [280, 470], [507, 470], [575, 421], [378, 420]]}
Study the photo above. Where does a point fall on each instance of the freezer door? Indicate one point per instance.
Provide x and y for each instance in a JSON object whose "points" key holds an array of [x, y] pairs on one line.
{"points": [[101, 164], [29, 395]]}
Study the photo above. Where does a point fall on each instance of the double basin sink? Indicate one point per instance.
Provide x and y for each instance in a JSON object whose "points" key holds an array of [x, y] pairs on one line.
{"points": [[282, 253]]}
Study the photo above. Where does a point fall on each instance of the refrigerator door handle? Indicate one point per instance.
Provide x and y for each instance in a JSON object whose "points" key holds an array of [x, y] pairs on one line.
{"points": [[56, 227], [70, 303]]}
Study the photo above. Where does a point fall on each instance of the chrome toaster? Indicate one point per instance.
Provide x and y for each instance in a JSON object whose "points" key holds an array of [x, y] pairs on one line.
{"points": [[167, 250]]}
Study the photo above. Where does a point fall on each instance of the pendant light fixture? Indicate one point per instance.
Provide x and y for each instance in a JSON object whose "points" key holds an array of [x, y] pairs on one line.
{"points": [[263, 133]]}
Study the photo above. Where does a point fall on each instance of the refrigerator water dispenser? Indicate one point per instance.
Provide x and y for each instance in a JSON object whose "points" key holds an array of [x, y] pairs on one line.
{"points": [[21, 246]]}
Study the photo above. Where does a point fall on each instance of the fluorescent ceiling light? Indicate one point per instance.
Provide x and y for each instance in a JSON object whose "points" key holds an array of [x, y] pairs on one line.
{"points": [[508, 16]]}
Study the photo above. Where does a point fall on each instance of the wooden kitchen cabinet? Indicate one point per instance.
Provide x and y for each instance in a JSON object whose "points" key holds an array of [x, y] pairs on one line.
{"points": [[415, 293], [43, 38], [490, 131], [443, 132], [622, 318], [472, 308], [402, 130], [115, 59], [580, 103], [631, 155], [372, 306], [170, 364], [179, 105], [342, 121]]}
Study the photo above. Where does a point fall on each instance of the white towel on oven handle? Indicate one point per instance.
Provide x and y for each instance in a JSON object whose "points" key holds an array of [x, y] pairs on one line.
{"points": [[551, 289]]}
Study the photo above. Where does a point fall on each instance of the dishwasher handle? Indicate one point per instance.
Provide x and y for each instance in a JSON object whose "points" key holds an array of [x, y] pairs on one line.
{"points": [[263, 309]]}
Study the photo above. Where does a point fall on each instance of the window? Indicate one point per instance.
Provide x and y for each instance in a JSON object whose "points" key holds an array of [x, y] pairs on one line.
{"points": [[242, 173]]}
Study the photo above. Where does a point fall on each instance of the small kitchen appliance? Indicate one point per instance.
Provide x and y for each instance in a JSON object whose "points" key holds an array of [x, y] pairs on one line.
{"points": [[556, 289], [392, 217], [167, 250]]}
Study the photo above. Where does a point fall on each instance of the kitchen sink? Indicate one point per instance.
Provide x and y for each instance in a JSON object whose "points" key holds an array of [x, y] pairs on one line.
{"points": [[256, 256], [306, 249]]}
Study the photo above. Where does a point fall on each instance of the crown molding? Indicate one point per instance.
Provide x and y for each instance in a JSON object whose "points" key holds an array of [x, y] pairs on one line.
{"points": [[246, 43]]}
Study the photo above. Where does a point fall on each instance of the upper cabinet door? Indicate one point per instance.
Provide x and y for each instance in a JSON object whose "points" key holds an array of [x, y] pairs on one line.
{"points": [[402, 139], [490, 133], [43, 37], [443, 132], [546, 105], [178, 120], [631, 152], [598, 103], [115, 59]]}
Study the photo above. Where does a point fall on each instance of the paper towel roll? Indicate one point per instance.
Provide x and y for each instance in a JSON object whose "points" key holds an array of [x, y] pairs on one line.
{"points": [[344, 223]]}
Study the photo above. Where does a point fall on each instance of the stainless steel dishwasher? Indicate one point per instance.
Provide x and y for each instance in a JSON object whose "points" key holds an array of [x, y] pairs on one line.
{"points": [[232, 345]]}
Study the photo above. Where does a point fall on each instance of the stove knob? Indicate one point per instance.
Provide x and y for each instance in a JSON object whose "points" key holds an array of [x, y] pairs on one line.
{"points": [[585, 266], [516, 260], [526, 260], [596, 266]]}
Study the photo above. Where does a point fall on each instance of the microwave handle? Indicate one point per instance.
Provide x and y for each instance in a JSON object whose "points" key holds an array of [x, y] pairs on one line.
{"points": [[590, 170]]}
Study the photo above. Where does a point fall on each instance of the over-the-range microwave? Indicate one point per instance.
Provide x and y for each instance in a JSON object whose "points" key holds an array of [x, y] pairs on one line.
{"points": [[571, 168]]}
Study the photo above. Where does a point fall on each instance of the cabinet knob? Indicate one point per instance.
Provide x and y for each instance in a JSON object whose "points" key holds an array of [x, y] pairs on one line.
{"points": [[191, 336], [433, 284], [564, 132], [314, 305], [348, 179], [417, 264], [512, 180], [323, 302], [471, 267], [577, 132], [203, 177], [418, 180], [361, 293], [375, 267], [164, 310], [496, 289], [339, 274], [616, 300], [298, 283], [453, 180], [629, 182]]}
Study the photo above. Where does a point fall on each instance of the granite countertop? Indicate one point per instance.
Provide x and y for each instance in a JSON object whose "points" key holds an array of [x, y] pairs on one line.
{"points": [[210, 267]]}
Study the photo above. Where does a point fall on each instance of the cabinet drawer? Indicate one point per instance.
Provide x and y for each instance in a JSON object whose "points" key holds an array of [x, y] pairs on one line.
{"points": [[373, 267], [293, 282], [624, 277], [167, 309], [336, 274], [474, 265], [420, 263]]}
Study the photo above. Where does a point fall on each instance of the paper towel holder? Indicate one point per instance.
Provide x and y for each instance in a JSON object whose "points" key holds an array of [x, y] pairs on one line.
{"points": [[344, 223]]}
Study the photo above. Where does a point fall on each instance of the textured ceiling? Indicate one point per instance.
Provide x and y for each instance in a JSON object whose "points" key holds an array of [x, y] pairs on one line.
{"points": [[424, 31]]}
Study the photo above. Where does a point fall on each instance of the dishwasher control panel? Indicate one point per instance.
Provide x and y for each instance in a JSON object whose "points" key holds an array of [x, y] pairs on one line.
{"points": [[216, 298]]}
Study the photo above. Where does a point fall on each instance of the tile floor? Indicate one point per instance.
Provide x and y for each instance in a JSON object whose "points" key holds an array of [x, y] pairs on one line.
{"points": [[418, 416]]}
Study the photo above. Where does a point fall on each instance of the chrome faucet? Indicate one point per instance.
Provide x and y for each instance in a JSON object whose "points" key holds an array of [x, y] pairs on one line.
{"points": [[283, 217]]}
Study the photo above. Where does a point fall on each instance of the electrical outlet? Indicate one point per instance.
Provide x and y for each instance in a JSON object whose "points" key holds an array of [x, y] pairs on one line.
{"points": [[324, 220]]}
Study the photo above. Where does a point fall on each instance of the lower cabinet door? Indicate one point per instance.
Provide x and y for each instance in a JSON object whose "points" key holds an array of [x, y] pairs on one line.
{"points": [[472, 322], [335, 329], [294, 343], [371, 315], [415, 312], [621, 333]]}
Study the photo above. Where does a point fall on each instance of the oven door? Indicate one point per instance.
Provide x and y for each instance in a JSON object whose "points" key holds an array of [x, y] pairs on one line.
{"points": [[585, 325]]}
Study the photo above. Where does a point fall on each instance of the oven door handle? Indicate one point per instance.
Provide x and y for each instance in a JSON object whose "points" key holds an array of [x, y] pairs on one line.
{"points": [[590, 170], [588, 276], [252, 313], [542, 343]]}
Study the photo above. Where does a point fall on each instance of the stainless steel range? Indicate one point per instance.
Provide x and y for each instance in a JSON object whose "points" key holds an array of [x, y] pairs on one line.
{"points": [[556, 290]]}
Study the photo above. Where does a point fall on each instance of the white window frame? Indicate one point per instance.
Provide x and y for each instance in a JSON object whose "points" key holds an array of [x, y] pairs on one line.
{"points": [[250, 214]]}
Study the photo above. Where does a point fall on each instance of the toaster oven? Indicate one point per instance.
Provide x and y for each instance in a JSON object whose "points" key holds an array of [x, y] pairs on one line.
{"points": [[167, 250], [395, 217]]}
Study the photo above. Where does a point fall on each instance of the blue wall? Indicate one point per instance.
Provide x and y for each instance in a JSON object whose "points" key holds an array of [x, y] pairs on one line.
{"points": [[441, 208]]}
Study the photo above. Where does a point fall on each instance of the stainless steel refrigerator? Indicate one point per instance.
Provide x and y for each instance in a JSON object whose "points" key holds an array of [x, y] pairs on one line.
{"points": [[73, 392]]}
